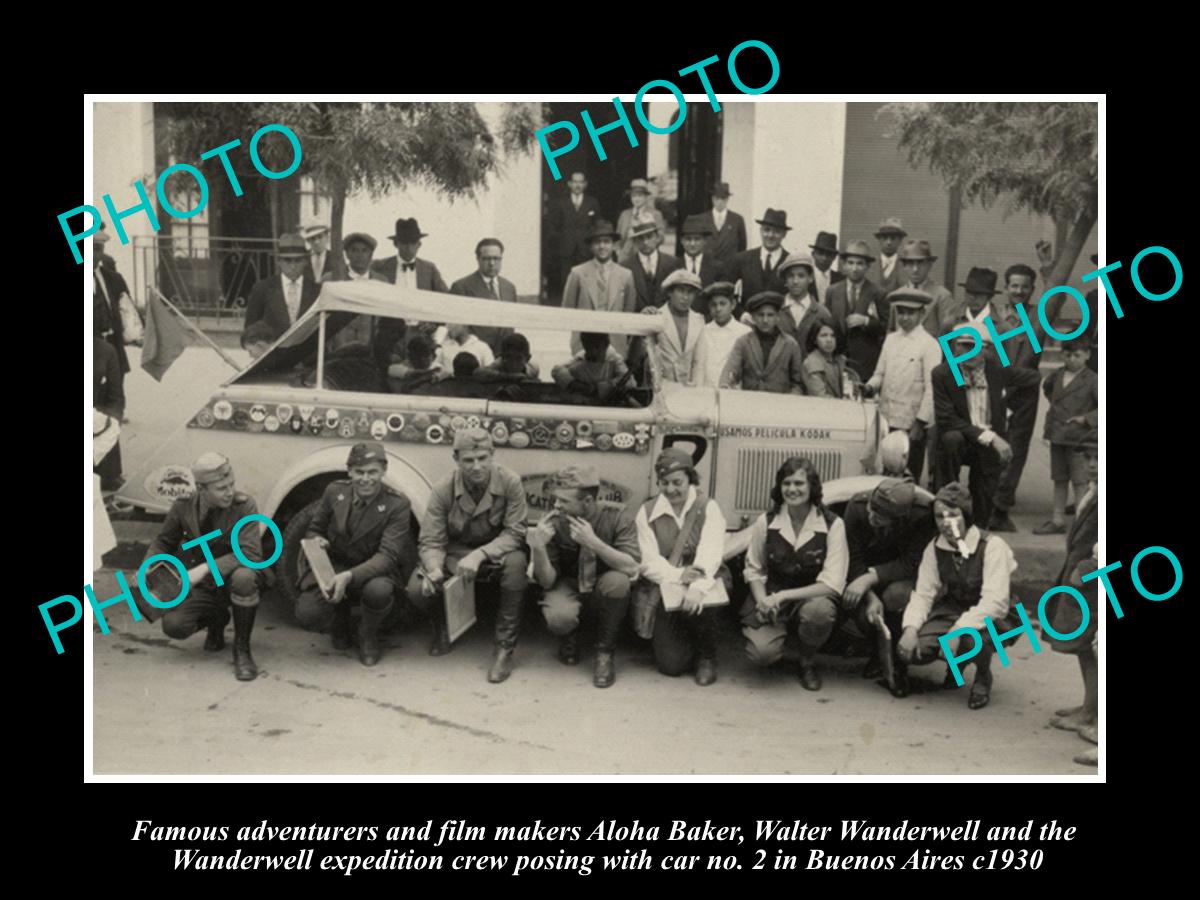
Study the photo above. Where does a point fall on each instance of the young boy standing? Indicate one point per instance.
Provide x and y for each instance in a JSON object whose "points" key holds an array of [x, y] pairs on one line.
{"points": [[718, 336], [765, 359], [1073, 392]]}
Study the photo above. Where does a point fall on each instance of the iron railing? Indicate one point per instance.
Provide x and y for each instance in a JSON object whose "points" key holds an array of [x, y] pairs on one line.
{"points": [[203, 276]]}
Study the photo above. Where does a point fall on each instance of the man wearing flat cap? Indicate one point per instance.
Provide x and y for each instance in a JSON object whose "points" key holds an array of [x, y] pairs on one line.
{"points": [[365, 527], [859, 309], [757, 268], [824, 252], [650, 266], [887, 531], [358, 248], [279, 300], [320, 260], [585, 553], [487, 284], [600, 283], [705, 266], [903, 374], [224, 583], [765, 359], [890, 274], [474, 526], [916, 261], [728, 228], [679, 342]]}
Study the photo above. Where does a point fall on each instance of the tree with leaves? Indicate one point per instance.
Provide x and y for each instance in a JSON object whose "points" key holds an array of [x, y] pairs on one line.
{"points": [[1040, 157], [350, 148]]}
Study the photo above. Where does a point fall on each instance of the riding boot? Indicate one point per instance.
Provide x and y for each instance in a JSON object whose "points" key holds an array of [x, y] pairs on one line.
{"points": [[368, 634], [243, 624], [214, 641]]}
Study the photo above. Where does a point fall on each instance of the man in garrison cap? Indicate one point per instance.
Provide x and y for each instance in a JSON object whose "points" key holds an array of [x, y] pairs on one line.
{"points": [[215, 507], [364, 527], [474, 526], [887, 530], [585, 552]]}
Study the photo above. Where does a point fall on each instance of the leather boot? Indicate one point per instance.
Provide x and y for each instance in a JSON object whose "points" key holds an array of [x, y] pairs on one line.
{"points": [[810, 678], [440, 645], [568, 649], [605, 672], [340, 633], [243, 624], [706, 671], [501, 664], [369, 650], [214, 641]]}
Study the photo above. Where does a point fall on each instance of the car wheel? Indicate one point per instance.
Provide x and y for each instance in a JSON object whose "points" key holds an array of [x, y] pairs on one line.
{"points": [[289, 562]]}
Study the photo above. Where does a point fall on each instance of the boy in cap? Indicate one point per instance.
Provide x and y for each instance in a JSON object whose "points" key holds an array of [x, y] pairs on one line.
{"points": [[1074, 395], [679, 341], [916, 261], [765, 359], [474, 527], [891, 274], [279, 300], [719, 334], [902, 374], [801, 311], [887, 531], [963, 579], [859, 309], [218, 579], [514, 363], [584, 553], [364, 526]]}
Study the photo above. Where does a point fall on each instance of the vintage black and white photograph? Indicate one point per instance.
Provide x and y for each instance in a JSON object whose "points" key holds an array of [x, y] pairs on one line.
{"points": [[429, 440]]}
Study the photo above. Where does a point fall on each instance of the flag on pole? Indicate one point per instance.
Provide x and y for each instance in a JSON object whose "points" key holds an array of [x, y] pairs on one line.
{"points": [[164, 339]]}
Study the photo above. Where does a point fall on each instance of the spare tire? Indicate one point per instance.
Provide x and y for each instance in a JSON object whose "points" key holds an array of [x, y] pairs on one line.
{"points": [[289, 562]]}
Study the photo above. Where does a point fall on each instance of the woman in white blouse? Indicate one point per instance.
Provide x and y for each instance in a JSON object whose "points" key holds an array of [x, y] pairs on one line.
{"points": [[796, 568], [681, 534]]}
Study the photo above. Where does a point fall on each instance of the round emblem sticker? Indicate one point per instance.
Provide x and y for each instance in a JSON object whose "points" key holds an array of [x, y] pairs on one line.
{"points": [[306, 412], [204, 418], [554, 444], [421, 421], [240, 419], [222, 410], [434, 434], [458, 423], [395, 422], [271, 423], [604, 442], [315, 424], [584, 429], [565, 433], [296, 424], [500, 433], [623, 441], [518, 439], [170, 483], [346, 428], [540, 436], [332, 417], [258, 412], [473, 422], [283, 411], [410, 433], [379, 429]]}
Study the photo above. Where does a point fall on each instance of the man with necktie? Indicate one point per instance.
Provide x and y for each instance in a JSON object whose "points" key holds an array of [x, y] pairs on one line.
{"points": [[757, 268], [600, 283], [891, 274], [824, 252], [570, 219], [320, 260], [728, 237], [485, 282], [649, 265], [279, 300]]}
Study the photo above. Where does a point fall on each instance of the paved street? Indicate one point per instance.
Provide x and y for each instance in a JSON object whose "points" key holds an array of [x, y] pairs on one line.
{"points": [[165, 706]]}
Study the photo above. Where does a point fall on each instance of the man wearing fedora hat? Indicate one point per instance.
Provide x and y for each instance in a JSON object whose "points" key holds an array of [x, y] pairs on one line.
{"points": [[600, 283], [320, 260], [405, 268], [569, 219], [859, 309], [916, 260], [891, 274], [728, 236], [649, 265], [279, 300], [757, 269], [694, 235], [642, 212], [824, 252]]}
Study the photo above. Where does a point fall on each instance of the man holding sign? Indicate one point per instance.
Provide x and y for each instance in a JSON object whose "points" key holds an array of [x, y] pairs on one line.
{"points": [[362, 526]]}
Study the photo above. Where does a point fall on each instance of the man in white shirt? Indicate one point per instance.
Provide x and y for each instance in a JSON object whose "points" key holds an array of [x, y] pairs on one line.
{"points": [[320, 262], [459, 339], [359, 248], [824, 252], [902, 375], [279, 300], [718, 336]]}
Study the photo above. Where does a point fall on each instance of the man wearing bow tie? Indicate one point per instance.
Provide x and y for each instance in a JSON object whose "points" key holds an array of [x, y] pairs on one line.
{"points": [[405, 268]]}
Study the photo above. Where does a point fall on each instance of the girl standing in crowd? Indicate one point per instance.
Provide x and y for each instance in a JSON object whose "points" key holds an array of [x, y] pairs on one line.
{"points": [[825, 368], [796, 568]]}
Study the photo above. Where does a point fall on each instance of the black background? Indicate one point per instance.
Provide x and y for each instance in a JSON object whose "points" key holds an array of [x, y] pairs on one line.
{"points": [[1148, 411]]}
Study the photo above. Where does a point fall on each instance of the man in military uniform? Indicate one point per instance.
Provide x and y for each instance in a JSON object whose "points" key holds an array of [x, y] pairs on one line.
{"points": [[887, 531], [213, 510], [584, 550], [474, 526], [364, 527]]}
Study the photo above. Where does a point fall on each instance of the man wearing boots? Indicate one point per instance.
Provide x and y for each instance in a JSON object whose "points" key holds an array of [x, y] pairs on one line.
{"points": [[585, 552], [474, 526], [364, 527], [205, 520], [887, 531]]}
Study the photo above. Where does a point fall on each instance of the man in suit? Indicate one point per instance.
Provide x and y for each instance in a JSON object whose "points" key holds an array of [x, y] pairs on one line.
{"points": [[679, 341], [108, 393], [570, 220], [972, 421], [405, 268], [757, 268], [801, 312], [320, 260], [364, 527], [359, 248], [859, 309], [916, 260], [824, 252], [649, 265], [600, 283], [694, 235], [890, 274], [485, 282], [107, 287], [279, 300], [728, 228]]}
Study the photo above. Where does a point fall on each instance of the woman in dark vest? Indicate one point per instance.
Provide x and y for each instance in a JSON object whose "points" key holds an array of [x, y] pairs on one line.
{"points": [[963, 580], [796, 568], [681, 534]]}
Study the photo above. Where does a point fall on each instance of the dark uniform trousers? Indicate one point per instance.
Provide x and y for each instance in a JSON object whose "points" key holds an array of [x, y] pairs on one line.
{"points": [[679, 637], [956, 449], [563, 604], [315, 613], [813, 619], [206, 602], [509, 573], [894, 598], [1022, 420]]}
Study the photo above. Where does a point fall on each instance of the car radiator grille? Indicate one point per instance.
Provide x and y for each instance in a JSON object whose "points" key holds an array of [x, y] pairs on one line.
{"points": [[756, 470]]}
